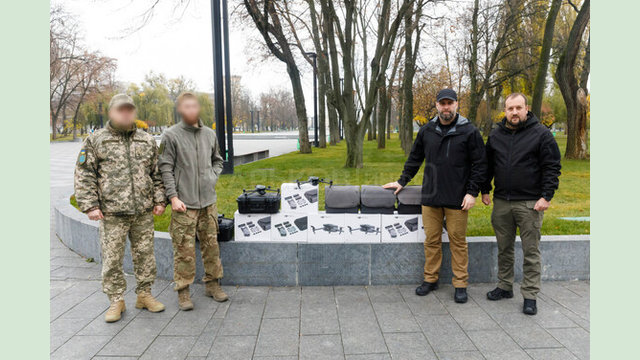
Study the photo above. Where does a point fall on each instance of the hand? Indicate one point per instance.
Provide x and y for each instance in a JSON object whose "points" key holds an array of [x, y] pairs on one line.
{"points": [[541, 205], [95, 214], [468, 202], [178, 205], [393, 185], [486, 199], [158, 210]]}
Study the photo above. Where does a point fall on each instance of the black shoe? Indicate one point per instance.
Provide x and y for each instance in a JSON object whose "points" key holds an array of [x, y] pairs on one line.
{"points": [[460, 296], [497, 294], [529, 307], [426, 288]]}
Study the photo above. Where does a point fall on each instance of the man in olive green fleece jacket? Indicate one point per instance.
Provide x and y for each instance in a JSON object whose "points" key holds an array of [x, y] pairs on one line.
{"points": [[190, 164]]}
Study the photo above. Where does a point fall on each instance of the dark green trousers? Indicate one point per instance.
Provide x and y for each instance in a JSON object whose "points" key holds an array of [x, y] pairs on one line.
{"points": [[507, 216]]}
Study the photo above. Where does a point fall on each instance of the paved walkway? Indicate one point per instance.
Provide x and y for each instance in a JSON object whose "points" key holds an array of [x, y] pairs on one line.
{"points": [[354, 322]]}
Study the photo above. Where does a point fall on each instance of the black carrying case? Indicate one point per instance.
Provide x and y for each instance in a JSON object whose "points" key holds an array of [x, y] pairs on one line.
{"points": [[375, 199], [225, 228], [410, 200], [342, 199], [260, 200]]}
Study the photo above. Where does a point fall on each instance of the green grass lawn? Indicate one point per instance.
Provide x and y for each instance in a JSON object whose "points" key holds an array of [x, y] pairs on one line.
{"points": [[382, 166]]}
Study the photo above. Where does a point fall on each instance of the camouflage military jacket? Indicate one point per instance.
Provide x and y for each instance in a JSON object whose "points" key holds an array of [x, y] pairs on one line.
{"points": [[117, 172]]}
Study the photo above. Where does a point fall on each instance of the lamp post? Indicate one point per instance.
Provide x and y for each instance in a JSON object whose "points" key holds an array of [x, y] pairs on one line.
{"points": [[340, 130], [315, 97], [251, 111]]}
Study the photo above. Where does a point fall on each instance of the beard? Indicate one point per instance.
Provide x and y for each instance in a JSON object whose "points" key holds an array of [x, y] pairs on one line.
{"points": [[446, 116]]}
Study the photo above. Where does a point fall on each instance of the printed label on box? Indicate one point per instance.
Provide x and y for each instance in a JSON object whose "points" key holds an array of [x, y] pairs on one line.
{"points": [[362, 228], [252, 227], [299, 199], [289, 227], [399, 228], [326, 228]]}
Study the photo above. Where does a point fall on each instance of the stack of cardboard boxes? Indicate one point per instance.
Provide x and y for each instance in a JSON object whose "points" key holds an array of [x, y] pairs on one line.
{"points": [[300, 221]]}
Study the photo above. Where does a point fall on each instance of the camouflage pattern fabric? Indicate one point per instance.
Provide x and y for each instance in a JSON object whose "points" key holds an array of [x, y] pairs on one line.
{"points": [[113, 236], [183, 229], [117, 172]]}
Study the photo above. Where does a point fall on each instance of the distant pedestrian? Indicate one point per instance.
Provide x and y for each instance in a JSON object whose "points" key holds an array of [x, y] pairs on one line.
{"points": [[524, 162]]}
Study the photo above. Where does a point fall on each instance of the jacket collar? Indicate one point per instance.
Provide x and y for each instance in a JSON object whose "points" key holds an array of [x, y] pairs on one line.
{"points": [[532, 119], [188, 127], [460, 121], [117, 131]]}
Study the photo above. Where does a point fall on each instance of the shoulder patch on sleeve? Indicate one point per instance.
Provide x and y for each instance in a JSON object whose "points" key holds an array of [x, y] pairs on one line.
{"points": [[82, 157], [161, 148]]}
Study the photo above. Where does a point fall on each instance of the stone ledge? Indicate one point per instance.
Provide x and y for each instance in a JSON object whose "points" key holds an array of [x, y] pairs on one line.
{"points": [[565, 257]]}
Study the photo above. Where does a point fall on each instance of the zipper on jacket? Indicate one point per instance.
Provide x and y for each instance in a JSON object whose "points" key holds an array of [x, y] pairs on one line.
{"points": [[133, 193], [195, 137], [513, 134], [448, 143]]}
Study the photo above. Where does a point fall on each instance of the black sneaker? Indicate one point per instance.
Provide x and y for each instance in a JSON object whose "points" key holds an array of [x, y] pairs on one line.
{"points": [[497, 294], [529, 307], [460, 296], [426, 288]]}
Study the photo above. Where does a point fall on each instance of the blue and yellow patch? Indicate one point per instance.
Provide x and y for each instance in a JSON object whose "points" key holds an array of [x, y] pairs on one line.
{"points": [[82, 158]]}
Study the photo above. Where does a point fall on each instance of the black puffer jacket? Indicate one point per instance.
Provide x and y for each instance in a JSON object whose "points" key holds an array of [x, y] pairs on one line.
{"points": [[524, 163], [455, 163]]}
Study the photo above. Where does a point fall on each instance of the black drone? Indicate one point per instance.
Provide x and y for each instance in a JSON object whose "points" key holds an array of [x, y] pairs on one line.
{"points": [[330, 228], [365, 228]]}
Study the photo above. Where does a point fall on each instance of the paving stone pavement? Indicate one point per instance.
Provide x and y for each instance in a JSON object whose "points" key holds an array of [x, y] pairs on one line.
{"points": [[341, 322]]}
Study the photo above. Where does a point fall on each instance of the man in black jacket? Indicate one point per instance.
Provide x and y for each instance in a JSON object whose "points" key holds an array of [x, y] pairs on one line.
{"points": [[524, 161], [454, 172]]}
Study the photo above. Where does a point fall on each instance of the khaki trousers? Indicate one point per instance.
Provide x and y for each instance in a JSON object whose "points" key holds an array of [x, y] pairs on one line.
{"points": [[505, 218], [432, 218]]}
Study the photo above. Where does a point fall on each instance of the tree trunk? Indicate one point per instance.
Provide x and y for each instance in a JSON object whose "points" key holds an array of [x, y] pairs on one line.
{"points": [[382, 115], [474, 96], [301, 110], [406, 119], [545, 53], [574, 96], [322, 131]]}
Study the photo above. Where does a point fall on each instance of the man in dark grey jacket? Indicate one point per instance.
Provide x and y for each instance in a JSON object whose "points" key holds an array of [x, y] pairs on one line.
{"points": [[190, 164]]}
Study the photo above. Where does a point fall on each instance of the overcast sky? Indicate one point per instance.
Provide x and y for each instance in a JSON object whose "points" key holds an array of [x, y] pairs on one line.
{"points": [[175, 44]]}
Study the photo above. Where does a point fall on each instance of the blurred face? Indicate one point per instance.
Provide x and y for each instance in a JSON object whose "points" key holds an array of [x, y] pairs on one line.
{"points": [[123, 116], [447, 109], [515, 110], [189, 109]]}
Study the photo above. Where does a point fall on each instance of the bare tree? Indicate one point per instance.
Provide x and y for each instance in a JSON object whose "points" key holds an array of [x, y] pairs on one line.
{"points": [[545, 54], [573, 93]]}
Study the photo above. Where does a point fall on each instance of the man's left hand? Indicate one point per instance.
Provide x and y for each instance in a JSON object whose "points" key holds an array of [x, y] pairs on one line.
{"points": [[541, 205], [158, 210], [468, 202]]}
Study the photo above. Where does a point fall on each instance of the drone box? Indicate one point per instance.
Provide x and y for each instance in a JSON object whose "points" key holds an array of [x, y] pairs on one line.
{"points": [[252, 227], [299, 198], [362, 228], [289, 227], [422, 236], [326, 228], [399, 228]]}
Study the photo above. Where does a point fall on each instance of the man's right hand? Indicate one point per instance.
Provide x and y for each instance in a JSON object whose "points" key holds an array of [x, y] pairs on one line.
{"points": [[178, 205], [95, 214], [393, 185], [486, 199]]}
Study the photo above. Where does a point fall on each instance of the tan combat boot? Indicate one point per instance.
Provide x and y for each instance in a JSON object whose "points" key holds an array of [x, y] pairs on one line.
{"points": [[115, 311], [184, 299], [147, 301], [214, 290]]}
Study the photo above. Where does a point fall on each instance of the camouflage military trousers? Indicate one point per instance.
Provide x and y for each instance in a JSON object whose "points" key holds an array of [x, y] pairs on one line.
{"points": [[113, 236], [184, 228]]}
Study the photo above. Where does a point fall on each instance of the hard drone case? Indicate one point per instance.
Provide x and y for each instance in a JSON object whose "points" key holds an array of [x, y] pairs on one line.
{"points": [[375, 199], [261, 200], [410, 200], [225, 228], [342, 199]]}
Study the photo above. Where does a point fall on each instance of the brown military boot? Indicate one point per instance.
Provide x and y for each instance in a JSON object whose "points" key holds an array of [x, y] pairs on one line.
{"points": [[184, 299], [147, 301], [214, 290], [115, 311]]}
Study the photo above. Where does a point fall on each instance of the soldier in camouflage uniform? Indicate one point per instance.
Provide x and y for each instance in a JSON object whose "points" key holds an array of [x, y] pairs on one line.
{"points": [[190, 163], [117, 182]]}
